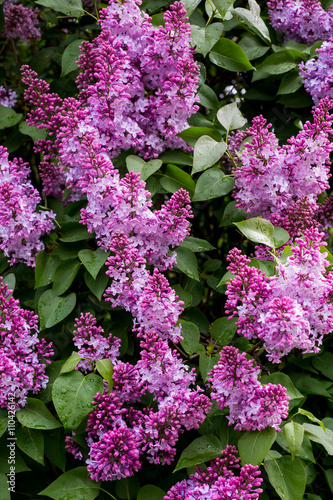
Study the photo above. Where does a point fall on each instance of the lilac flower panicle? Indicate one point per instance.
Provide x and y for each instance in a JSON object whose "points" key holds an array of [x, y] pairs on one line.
{"points": [[317, 73], [223, 479], [304, 21], [20, 22], [22, 354], [21, 226], [252, 406]]}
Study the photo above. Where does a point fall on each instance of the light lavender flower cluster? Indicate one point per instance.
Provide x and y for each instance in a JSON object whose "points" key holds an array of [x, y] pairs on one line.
{"points": [[269, 178], [21, 226], [292, 310], [8, 97], [304, 21], [22, 354], [220, 481], [317, 73]]}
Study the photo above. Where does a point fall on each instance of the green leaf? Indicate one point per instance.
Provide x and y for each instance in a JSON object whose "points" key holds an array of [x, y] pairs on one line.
{"points": [[191, 335], [177, 157], [208, 99], [207, 152], [73, 394], [187, 262], [64, 276], [52, 310], [150, 492], [33, 132], [190, 6], [3, 421], [71, 363], [93, 260], [280, 237], [8, 117], [311, 417], [257, 230], [205, 38], [200, 450], [232, 214], [35, 415], [73, 231], [253, 446], [252, 46], [324, 364], [293, 434], [98, 285], [4, 484], [197, 244], [71, 8], [70, 56], [54, 448], [175, 179], [31, 441], [145, 169], [228, 55], [192, 134], [290, 83], [127, 488], [318, 435], [213, 183], [279, 62], [251, 18], [230, 117], [223, 6], [311, 385], [73, 485], [223, 330], [10, 280], [105, 368], [287, 476], [329, 478], [46, 265], [207, 363]]}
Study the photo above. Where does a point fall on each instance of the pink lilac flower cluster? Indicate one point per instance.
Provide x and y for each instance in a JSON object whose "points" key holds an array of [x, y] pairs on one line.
{"points": [[317, 73], [21, 226], [252, 406], [20, 22], [8, 97], [304, 21], [22, 354], [92, 345], [270, 178], [290, 310], [224, 478], [137, 87]]}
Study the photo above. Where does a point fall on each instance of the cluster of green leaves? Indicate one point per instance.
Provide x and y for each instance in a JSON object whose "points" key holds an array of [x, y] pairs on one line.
{"points": [[243, 63]]}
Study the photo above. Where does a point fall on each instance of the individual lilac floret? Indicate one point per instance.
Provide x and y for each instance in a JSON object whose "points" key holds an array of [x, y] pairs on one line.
{"points": [[21, 226], [252, 406], [223, 479], [317, 73], [20, 22], [91, 343], [22, 354], [115, 456], [8, 97], [304, 21]]}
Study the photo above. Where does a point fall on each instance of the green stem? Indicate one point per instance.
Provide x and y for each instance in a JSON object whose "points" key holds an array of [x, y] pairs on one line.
{"points": [[90, 14]]}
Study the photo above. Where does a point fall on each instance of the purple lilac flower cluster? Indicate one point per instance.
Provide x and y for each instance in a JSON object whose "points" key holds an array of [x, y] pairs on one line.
{"points": [[317, 73], [91, 343], [20, 22], [304, 21], [22, 354], [290, 310], [252, 406], [8, 97], [220, 481], [137, 87], [21, 226], [269, 178]]}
